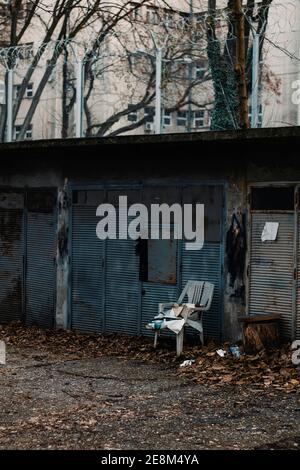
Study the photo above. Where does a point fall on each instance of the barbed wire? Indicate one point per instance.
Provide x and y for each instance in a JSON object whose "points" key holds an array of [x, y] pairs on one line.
{"points": [[190, 29], [188, 36]]}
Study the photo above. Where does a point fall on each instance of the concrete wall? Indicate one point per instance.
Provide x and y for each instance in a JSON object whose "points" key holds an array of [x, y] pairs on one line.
{"points": [[229, 157], [235, 203]]}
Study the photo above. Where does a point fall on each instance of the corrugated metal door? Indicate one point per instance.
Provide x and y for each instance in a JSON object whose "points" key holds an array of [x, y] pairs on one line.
{"points": [[122, 285], [40, 259], [108, 290], [297, 315], [206, 264], [87, 293], [11, 256], [161, 282], [272, 269], [155, 291], [201, 265]]}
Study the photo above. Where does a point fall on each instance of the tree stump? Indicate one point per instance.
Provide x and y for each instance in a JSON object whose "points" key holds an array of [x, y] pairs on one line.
{"points": [[260, 332]]}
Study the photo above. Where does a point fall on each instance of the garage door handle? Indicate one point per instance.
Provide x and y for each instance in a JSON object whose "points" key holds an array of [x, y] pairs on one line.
{"points": [[143, 292]]}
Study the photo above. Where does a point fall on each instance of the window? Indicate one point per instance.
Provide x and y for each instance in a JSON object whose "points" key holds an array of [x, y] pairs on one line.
{"points": [[149, 113], [132, 115], [199, 118], [152, 15], [158, 257], [184, 20], [181, 118], [21, 9], [200, 68], [4, 7], [167, 118], [169, 18], [28, 133], [271, 198], [28, 92], [134, 9], [179, 69], [162, 261]]}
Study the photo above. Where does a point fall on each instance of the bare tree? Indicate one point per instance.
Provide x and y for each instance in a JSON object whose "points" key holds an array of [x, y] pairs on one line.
{"points": [[231, 74], [50, 18], [98, 24], [179, 89]]}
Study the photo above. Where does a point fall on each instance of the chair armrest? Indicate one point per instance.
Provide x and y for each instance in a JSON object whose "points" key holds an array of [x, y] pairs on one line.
{"points": [[193, 306], [162, 307]]}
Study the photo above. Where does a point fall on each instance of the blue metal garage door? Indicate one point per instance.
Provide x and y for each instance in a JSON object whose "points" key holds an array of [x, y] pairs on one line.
{"points": [[11, 255], [110, 291], [105, 273], [170, 265], [87, 258], [122, 286], [40, 270]]}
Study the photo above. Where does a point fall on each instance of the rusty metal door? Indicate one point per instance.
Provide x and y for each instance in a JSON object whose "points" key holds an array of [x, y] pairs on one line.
{"points": [[271, 284], [297, 296], [40, 272], [105, 290], [161, 279], [11, 255], [170, 265], [207, 264], [122, 285], [87, 263]]}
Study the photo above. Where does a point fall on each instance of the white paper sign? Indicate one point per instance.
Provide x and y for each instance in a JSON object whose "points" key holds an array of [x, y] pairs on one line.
{"points": [[270, 231]]}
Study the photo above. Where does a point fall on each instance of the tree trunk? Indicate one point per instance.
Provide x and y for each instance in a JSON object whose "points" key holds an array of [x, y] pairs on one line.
{"points": [[240, 67], [225, 112], [65, 114]]}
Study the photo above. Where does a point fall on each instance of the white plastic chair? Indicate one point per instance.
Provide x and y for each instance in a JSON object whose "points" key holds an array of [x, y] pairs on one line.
{"points": [[199, 298]]}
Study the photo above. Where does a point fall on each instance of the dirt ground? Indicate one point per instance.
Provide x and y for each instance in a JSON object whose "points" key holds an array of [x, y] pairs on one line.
{"points": [[51, 400]]}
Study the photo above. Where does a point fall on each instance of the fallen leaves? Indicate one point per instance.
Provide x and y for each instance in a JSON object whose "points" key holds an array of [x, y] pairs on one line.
{"points": [[273, 369], [264, 370]]}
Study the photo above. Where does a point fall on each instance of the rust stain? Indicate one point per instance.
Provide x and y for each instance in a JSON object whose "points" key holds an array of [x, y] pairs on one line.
{"points": [[10, 230]]}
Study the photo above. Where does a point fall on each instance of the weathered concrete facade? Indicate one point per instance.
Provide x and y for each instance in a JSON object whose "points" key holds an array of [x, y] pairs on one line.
{"points": [[233, 161]]}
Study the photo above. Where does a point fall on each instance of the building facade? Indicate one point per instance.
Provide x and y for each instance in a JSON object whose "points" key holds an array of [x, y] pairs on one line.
{"points": [[120, 72], [55, 272]]}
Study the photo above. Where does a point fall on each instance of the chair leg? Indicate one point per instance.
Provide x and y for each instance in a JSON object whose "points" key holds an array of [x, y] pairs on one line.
{"points": [[179, 342], [201, 332], [155, 338], [202, 338]]}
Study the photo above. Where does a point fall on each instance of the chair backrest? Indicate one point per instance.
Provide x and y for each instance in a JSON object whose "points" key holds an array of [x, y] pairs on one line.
{"points": [[198, 292]]}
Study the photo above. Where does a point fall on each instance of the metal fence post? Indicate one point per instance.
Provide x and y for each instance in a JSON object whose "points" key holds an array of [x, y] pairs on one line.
{"points": [[158, 90], [255, 81], [9, 105], [79, 98]]}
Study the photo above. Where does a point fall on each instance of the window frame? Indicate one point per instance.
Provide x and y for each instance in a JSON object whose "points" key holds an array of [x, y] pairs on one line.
{"points": [[184, 118], [28, 133]]}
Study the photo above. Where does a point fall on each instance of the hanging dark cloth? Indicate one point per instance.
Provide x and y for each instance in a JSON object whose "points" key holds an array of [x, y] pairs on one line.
{"points": [[236, 249]]}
